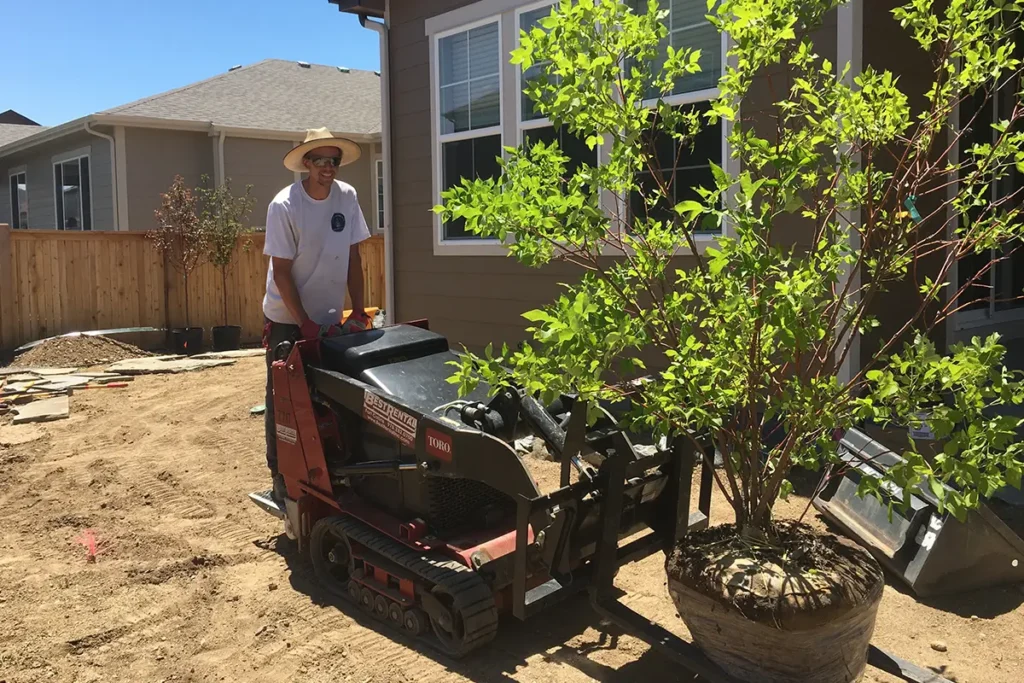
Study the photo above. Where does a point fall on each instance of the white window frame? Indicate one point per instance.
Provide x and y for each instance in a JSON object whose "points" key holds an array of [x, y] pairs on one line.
{"points": [[474, 246], [702, 241], [544, 121], [377, 178], [603, 151], [74, 155], [13, 173], [965, 323], [613, 205]]}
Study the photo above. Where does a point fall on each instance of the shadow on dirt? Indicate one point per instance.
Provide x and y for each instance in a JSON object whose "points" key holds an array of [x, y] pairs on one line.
{"points": [[985, 603], [547, 637]]}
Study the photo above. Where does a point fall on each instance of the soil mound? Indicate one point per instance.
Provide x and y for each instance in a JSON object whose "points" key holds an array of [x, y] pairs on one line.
{"points": [[798, 580], [77, 352]]}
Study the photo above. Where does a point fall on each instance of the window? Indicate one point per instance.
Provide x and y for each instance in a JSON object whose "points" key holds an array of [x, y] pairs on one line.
{"points": [[72, 196], [684, 169], [997, 293], [472, 80], [19, 200], [681, 168], [688, 27], [469, 109], [533, 126], [380, 194]]}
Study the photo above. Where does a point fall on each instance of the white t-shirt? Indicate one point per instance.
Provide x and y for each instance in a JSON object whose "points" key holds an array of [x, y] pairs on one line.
{"points": [[316, 235]]}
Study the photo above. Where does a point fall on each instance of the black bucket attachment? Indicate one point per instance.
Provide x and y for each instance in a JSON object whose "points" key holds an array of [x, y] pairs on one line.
{"points": [[933, 553]]}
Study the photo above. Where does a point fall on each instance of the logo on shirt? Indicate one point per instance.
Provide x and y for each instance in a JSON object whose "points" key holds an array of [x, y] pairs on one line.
{"points": [[338, 222]]}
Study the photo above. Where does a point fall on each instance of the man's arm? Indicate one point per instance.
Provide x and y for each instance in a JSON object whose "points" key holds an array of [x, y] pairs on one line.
{"points": [[289, 292], [355, 279]]}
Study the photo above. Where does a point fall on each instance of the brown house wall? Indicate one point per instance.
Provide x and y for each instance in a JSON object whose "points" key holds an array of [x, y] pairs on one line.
{"points": [[887, 46], [471, 299], [475, 300]]}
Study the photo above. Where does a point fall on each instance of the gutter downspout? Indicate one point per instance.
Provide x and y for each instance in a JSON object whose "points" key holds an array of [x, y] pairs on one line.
{"points": [[113, 170], [385, 94]]}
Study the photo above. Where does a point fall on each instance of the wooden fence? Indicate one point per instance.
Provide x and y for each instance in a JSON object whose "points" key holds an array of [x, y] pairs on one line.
{"points": [[55, 282]]}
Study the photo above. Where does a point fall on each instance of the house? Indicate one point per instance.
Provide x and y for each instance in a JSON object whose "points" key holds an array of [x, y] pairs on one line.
{"points": [[452, 99], [13, 118], [105, 171]]}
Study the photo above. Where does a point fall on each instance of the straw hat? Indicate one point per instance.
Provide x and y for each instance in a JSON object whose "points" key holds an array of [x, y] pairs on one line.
{"points": [[320, 137]]}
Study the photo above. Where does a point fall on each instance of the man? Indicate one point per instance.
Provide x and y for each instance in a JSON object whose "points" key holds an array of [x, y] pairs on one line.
{"points": [[314, 227]]}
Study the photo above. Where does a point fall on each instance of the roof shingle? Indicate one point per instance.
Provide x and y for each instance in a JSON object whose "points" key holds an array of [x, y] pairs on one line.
{"points": [[273, 95], [11, 132]]}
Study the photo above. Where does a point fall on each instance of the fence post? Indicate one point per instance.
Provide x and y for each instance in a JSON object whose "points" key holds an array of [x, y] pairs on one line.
{"points": [[7, 321]]}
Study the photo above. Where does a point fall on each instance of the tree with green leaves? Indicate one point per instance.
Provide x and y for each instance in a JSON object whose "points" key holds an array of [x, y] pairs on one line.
{"points": [[222, 221], [751, 331]]}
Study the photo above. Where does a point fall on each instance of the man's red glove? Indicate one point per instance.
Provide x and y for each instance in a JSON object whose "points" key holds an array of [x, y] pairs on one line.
{"points": [[311, 330], [358, 321]]}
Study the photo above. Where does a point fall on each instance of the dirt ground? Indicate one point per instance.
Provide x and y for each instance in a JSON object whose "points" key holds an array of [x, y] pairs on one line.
{"points": [[193, 583]]}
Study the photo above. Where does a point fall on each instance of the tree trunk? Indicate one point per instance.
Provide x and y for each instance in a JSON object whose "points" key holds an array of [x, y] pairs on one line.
{"points": [[224, 280], [188, 317]]}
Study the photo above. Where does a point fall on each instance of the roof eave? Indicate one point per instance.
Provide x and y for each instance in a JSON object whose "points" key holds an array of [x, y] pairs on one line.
{"points": [[366, 8], [209, 127], [290, 135], [131, 121], [46, 135]]}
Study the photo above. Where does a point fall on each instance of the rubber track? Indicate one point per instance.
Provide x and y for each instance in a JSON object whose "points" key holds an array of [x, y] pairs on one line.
{"points": [[472, 597]]}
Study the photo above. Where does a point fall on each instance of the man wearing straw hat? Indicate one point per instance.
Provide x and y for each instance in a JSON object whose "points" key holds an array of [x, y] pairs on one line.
{"points": [[314, 227]]}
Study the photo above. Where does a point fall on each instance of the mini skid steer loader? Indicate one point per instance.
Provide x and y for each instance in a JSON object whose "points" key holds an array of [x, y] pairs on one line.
{"points": [[414, 505]]}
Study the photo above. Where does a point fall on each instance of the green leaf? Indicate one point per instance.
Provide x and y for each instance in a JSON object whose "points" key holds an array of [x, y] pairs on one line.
{"points": [[689, 209], [721, 177], [536, 316], [939, 491]]}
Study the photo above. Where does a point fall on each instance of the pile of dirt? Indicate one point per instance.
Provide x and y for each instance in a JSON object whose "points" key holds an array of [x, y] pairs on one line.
{"points": [[77, 352], [800, 579]]}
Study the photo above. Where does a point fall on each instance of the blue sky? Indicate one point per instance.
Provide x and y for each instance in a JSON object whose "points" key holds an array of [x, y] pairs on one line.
{"points": [[69, 58]]}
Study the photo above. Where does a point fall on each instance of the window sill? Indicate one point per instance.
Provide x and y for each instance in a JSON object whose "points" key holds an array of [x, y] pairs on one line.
{"points": [[495, 248], [702, 242], [475, 247]]}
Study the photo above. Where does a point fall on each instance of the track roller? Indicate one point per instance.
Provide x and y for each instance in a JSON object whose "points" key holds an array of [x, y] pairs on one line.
{"points": [[366, 599], [380, 607], [415, 621]]}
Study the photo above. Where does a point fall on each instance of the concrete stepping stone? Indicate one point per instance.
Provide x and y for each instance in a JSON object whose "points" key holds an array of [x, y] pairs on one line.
{"points": [[46, 410]]}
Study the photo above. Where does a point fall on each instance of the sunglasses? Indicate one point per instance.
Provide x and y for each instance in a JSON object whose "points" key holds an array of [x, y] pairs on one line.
{"points": [[321, 162]]}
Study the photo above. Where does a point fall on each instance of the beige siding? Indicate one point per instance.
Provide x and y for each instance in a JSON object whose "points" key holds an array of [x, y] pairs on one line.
{"points": [[259, 163], [154, 157], [38, 164], [360, 176]]}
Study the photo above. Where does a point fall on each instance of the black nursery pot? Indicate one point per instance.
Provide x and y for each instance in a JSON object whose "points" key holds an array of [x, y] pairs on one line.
{"points": [[227, 337], [187, 340]]}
